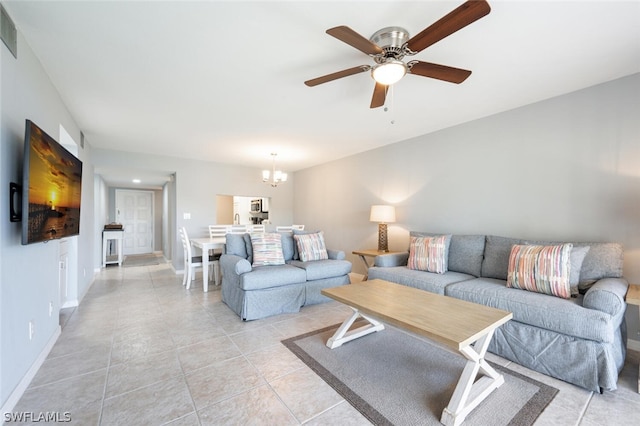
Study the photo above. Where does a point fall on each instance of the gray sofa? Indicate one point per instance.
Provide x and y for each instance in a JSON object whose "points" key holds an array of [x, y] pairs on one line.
{"points": [[262, 291], [581, 340]]}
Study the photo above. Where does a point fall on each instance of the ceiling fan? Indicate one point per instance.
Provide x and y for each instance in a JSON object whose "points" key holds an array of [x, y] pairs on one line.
{"points": [[390, 45]]}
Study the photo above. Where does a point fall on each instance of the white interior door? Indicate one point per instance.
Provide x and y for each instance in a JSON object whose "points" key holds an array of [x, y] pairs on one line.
{"points": [[134, 210]]}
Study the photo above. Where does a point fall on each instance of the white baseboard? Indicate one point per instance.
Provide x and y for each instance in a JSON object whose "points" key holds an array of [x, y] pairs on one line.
{"points": [[70, 304], [31, 373], [633, 345]]}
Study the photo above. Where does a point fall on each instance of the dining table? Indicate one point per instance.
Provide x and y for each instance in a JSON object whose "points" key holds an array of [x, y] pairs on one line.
{"points": [[206, 244]]}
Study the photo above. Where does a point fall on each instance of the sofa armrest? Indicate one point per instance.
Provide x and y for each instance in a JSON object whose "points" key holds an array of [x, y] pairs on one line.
{"points": [[607, 295], [391, 259], [336, 254], [232, 264]]}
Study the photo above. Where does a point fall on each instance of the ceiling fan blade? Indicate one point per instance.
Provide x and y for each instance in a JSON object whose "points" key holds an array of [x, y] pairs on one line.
{"points": [[441, 72], [379, 95], [457, 19], [337, 75], [352, 38]]}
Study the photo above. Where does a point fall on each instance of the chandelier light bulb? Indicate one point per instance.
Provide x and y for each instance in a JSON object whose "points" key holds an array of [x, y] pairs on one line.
{"points": [[273, 177]]}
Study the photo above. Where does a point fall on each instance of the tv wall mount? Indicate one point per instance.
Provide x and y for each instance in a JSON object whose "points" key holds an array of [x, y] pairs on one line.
{"points": [[15, 191]]}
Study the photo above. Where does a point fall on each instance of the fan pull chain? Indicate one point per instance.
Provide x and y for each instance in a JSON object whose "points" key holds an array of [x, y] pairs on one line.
{"points": [[391, 108]]}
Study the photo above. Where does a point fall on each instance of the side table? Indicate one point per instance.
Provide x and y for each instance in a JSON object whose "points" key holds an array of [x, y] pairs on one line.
{"points": [[108, 235], [370, 253], [633, 298]]}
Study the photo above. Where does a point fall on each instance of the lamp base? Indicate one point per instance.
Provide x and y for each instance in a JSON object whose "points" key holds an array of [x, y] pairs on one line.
{"points": [[382, 237]]}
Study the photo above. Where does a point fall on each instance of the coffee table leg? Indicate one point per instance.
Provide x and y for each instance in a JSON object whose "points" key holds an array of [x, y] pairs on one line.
{"points": [[468, 394], [343, 335]]}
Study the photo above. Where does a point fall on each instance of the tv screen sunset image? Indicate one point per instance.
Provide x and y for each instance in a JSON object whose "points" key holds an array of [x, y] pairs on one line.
{"points": [[55, 178]]}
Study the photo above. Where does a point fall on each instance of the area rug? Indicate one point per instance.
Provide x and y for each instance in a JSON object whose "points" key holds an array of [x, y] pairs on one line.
{"points": [[394, 378], [148, 259]]}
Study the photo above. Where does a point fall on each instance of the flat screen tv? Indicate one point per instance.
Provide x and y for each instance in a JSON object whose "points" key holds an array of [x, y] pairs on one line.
{"points": [[51, 187]]}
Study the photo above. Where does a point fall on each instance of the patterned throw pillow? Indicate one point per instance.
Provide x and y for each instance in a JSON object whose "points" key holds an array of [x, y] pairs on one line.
{"points": [[542, 269], [311, 246], [429, 254], [267, 249]]}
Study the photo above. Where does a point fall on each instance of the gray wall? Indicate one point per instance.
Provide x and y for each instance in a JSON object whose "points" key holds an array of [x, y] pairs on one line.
{"points": [[564, 169], [29, 274]]}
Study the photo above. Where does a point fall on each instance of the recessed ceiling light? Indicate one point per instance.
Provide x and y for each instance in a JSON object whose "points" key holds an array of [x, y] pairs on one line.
{"points": [[136, 181]]}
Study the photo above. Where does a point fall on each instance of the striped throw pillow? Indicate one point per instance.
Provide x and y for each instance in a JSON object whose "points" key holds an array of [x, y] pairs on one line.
{"points": [[429, 254], [311, 246], [267, 249], [542, 269]]}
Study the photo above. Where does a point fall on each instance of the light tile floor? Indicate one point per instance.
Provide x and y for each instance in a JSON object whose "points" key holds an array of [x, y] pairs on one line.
{"points": [[142, 350]]}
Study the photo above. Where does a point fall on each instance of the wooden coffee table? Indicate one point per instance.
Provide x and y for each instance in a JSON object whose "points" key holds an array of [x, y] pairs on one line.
{"points": [[462, 326]]}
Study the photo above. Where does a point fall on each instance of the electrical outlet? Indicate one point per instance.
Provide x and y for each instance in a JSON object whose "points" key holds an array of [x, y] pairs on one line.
{"points": [[32, 329], [186, 216], [50, 308]]}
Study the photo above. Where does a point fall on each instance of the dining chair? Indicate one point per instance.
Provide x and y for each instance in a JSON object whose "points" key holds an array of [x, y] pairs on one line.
{"points": [[238, 229], [256, 228], [191, 263], [284, 228], [218, 230], [298, 227]]}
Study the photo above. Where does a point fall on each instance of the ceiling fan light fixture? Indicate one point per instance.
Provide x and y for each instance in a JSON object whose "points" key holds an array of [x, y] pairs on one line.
{"points": [[389, 72]]}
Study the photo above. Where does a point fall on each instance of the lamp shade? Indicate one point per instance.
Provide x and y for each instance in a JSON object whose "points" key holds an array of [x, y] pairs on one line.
{"points": [[382, 214]]}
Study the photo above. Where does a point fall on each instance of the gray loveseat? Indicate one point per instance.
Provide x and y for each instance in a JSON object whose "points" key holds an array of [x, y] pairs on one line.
{"points": [[581, 340], [262, 291]]}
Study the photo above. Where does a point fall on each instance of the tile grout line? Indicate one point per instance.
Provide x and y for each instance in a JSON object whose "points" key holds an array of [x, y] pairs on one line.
{"points": [[106, 379], [184, 378]]}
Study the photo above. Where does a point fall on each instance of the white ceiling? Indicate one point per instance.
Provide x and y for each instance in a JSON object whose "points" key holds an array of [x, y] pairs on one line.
{"points": [[223, 80]]}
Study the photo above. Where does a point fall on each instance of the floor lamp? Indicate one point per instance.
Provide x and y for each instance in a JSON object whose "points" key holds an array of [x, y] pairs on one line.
{"points": [[383, 215]]}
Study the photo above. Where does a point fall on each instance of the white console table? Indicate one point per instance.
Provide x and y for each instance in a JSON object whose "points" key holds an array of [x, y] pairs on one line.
{"points": [[112, 235]]}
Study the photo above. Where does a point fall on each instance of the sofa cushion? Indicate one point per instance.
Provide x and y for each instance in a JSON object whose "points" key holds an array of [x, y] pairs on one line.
{"points": [[248, 247], [287, 245], [236, 245], [311, 246], [435, 283], [604, 260], [429, 254], [320, 269], [577, 258], [272, 276], [496, 256], [465, 252], [543, 269], [566, 316], [267, 249]]}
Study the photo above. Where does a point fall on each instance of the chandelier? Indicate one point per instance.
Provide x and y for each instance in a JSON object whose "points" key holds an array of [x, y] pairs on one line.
{"points": [[273, 177]]}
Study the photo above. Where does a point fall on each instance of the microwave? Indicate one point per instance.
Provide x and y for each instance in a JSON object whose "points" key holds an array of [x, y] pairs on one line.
{"points": [[260, 205], [256, 206]]}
